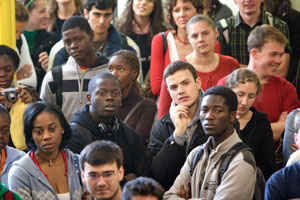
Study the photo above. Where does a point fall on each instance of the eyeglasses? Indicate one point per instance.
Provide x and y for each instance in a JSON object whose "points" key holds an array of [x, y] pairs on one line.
{"points": [[93, 176]]}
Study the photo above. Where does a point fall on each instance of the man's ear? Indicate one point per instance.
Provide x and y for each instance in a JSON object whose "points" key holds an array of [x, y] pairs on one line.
{"points": [[253, 52], [89, 98], [86, 13], [121, 172], [82, 177], [232, 116], [91, 36], [198, 82]]}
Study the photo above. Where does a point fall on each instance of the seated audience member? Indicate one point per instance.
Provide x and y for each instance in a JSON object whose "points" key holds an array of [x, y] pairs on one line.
{"points": [[255, 129], [210, 66], [98, 120], [82, 65], [141, 21], [234, 32], [171, 45], [142, 188], [17, 99], [289, 145], [39, 40], [60, 11], [284, 10], [266, 46], [296, 155], [216, 10], [218, 108], [106, 40], [177, 133], [102, 170], [48, 170], [135, 111], [284, 184], [8, 154], [26, 73]]}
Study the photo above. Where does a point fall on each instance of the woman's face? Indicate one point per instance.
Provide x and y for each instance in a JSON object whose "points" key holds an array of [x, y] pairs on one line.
{"points": [[38, 17], [4, 130], [183, 12], [142, 8], [202, 37], [246, 93], [119, 67], [47, 132]]}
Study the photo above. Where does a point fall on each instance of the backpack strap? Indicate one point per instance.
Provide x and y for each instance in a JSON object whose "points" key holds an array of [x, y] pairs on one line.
{"points": [[196, 158], [124, 39], [227, 157], [57, 79], [270, 18], [77, 166], [8, 195], [224, 25], [132, 111], [163, 35]]}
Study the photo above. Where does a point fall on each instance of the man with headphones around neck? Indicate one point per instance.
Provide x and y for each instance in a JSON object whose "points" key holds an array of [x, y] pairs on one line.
{"points": [[98, 121]]}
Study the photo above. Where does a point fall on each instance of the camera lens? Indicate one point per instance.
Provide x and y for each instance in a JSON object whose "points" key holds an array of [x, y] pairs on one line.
{"points": [[11, 97]]}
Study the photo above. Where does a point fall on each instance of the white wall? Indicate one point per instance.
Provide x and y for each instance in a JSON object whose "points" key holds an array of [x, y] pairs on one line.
{"points": [[231, 5], [296, 4]]}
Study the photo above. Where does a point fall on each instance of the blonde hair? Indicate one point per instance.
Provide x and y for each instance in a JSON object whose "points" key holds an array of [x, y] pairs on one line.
{"points": [[241, 76]]}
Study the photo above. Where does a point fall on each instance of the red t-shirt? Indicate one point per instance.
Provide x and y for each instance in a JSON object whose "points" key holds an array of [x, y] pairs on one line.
{"points": [[277, 96]]}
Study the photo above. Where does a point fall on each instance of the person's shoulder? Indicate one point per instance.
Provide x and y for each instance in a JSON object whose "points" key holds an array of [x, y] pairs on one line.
{"points": [[14, 151], [228, 59], [285, 84], [259, 115], [222, 81], [148, 102]]}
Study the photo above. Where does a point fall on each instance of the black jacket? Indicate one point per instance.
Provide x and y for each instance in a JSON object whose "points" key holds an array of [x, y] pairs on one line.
{"points": [[85, 131], [258, 135], [167, 156], [44, 41]]}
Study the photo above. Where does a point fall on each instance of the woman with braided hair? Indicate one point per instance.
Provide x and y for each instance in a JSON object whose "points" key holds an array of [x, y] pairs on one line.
{"points": [[136, 111]]}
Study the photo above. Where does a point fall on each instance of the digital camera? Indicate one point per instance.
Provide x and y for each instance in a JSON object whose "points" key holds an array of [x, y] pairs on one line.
{"points": [[11, 94]]}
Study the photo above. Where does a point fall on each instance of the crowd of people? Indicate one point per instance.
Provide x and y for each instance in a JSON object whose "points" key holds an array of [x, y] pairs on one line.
{"points": [[200, 104]]}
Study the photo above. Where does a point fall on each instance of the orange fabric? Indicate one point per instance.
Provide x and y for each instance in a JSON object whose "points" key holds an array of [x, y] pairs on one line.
{"points": [[3, 158]]}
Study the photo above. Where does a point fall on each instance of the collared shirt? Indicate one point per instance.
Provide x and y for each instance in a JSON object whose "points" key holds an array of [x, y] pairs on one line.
{"points": [[238, 32]]}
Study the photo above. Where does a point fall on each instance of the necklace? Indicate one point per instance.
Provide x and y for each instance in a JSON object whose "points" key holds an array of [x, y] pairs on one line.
{"points": [[50, 161], [182, 42]]}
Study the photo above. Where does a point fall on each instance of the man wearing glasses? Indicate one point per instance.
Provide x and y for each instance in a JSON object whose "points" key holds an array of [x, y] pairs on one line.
{"points": [[102, 170]]}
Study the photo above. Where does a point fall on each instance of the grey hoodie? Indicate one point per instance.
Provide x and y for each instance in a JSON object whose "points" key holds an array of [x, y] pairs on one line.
{"points": [[26, 179]]}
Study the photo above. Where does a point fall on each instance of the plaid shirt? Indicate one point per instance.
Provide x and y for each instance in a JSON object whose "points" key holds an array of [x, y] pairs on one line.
{"points": [[238, 32]]}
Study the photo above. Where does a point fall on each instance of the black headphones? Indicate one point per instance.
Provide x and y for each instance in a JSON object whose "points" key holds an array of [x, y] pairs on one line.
{"points": [[109, 129]]}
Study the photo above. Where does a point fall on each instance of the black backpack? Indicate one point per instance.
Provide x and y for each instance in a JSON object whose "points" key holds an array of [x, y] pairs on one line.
{"points": [[226, 158], [58, 79]]}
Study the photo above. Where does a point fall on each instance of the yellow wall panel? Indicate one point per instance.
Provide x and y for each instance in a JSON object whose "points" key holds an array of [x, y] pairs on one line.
{"points": [[7, 23]]}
